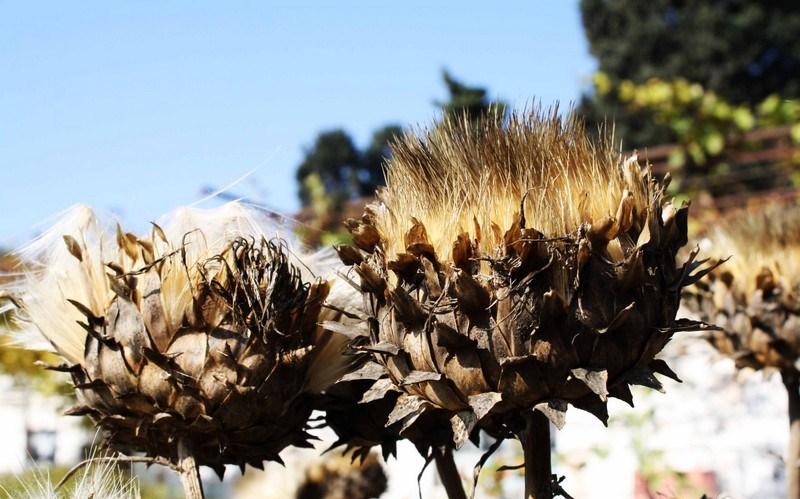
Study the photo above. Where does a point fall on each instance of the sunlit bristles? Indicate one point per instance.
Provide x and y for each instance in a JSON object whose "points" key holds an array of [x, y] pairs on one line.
{"points": [[100, 479], [54, 276], [765, 240], [459, 177]]}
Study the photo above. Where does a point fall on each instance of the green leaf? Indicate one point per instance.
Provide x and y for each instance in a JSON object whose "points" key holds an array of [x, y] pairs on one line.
{"points": [[769, 105], [696, 152], [743, 118], [682, 125], [713, 143], [677, 158], [795, 132], [602, 83]]}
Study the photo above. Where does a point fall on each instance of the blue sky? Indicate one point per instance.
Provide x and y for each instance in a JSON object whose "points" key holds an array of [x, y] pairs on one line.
{"points": [[134, 107]]}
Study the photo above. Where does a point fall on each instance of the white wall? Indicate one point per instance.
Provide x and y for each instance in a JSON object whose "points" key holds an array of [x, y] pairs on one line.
{"points": [[22, 410]]}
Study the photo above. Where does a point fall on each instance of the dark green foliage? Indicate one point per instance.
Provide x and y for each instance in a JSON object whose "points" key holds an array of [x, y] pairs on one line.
{"points": [[472, 101], [373, 157], [335, 159], [743, 50], [345, 171]]}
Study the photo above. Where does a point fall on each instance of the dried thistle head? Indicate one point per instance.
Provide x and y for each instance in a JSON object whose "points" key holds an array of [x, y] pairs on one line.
{"points": [[755, 296], [205, 332], [513, 267], [338, 477]]}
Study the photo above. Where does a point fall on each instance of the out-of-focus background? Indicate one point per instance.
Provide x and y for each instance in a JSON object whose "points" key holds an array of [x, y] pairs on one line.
{"points": [[136, 108]]}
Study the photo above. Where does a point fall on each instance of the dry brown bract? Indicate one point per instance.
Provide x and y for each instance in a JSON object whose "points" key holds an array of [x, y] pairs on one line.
{"points": [[514, 267], [209, 343], [755, 296]]}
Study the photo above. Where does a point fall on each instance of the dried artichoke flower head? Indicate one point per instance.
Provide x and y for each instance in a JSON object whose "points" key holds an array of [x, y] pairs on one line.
{"points": [[511, 268], [339, 478], [203, 335], [755, 297]]}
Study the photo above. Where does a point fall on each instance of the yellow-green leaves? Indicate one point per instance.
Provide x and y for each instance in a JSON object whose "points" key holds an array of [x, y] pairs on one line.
{"points": [[703, 122]]}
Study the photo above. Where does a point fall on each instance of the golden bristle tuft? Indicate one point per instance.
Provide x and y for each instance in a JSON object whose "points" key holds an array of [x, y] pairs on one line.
{"points": [[459, 177], [767, 240]]}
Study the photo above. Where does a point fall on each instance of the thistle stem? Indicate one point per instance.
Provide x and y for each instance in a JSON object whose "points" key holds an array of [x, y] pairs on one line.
{"points": [[190, 476], [535, 439], [792, 383], [448, 472]]}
